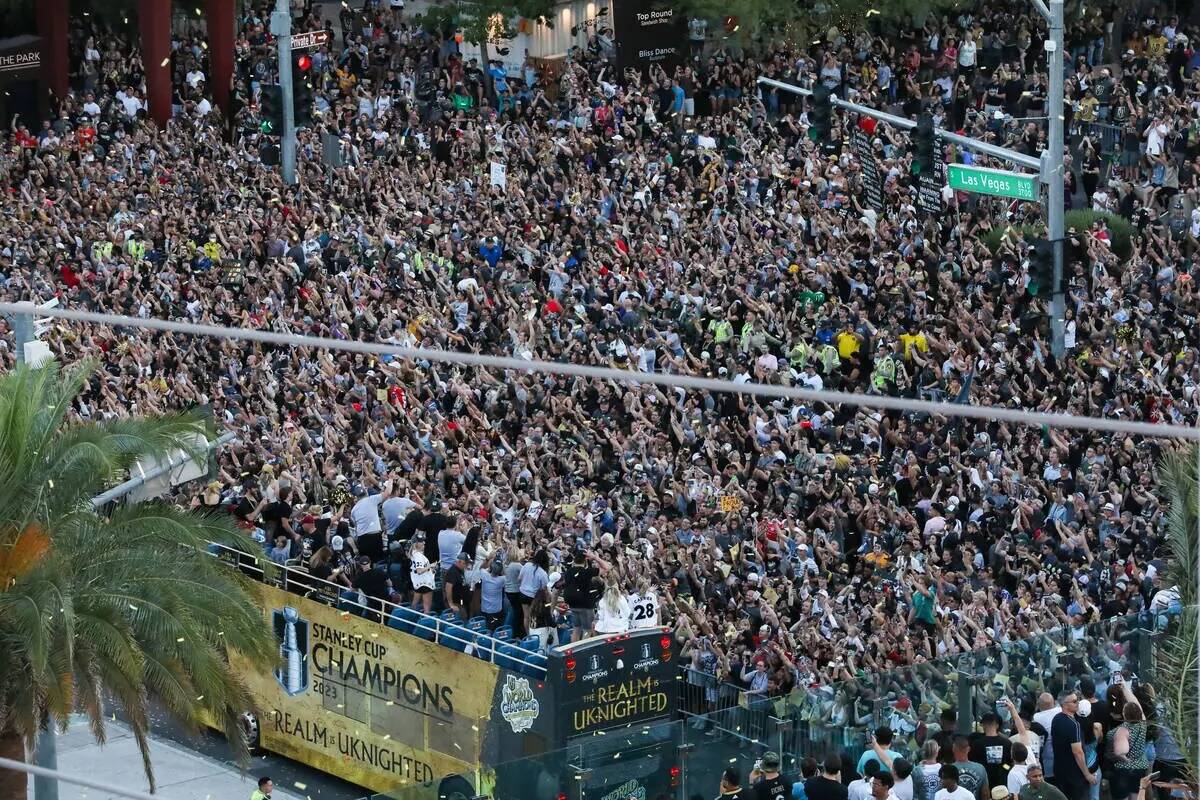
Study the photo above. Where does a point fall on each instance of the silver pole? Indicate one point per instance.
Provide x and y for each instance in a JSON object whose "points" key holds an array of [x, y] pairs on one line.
{"points": [[1055, 210], [23, 332], [1003, 153], [281, 26], [46, 755], [122, 489]]}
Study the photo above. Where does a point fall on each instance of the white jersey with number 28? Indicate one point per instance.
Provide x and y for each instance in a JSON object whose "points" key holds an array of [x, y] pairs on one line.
{"points": [[643, 610]]}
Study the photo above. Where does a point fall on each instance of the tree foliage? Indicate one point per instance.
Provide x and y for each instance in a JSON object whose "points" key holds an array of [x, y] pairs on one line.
{"points": [[483, 21], [127, 606], [1178, 663], [760, 22]]}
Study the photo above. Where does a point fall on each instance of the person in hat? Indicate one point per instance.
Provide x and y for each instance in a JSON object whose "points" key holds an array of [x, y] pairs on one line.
{"points": [[766, 780]]}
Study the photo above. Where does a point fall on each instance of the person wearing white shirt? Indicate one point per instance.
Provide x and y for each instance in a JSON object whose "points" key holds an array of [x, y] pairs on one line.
{"points": [[612, 614], [811, 380], [130, 103], [203, 108], [950, 789], [860, 788], [1047, 711], [966, 53], [421, 573], [643, 607], [91, 107], [195, 78], [1018, 773]]}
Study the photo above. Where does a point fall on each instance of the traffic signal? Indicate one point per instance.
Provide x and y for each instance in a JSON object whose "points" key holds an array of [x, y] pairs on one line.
{"points": [[1041, 267], [270, 110], [302, 89], [820, 113], [924, 142]]}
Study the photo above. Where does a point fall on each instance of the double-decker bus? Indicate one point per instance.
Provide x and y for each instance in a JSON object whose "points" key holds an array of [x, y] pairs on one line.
{"points": [[427, 708]]}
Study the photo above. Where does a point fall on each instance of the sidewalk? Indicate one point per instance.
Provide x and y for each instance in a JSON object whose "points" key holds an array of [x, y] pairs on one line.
{"points": [[181, 774]]}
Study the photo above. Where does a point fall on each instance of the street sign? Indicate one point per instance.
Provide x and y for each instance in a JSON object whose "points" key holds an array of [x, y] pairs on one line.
{"points": [[1001, 183], [307, 41], [872, 183]]}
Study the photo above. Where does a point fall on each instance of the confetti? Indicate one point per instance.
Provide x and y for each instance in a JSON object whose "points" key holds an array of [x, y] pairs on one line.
{"points": [[180, 640], [300, 786], [165, 61]]}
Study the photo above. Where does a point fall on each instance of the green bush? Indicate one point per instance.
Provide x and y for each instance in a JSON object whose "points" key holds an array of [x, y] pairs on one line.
{"points": [[1080, 219]]}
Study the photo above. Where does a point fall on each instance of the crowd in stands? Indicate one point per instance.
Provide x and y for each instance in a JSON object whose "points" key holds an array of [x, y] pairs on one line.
{"points": [[680, 223]]}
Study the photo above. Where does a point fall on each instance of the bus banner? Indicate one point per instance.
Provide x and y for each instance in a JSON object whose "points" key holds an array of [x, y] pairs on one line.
{"points": [[382, 708]]}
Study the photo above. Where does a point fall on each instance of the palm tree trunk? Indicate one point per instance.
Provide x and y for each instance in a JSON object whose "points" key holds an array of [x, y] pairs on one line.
{"points": [[13, 784]]}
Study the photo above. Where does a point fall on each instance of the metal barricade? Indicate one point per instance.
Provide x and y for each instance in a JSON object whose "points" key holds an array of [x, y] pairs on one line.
{"points": [[1107, 138]]}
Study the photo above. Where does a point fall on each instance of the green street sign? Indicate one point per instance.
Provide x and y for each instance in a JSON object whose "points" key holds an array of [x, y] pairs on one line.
{"points": [[1001, 183]]}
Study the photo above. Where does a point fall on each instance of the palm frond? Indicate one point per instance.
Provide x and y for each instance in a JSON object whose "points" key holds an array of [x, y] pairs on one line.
{"points": [[1178, 665], [129, 606]]}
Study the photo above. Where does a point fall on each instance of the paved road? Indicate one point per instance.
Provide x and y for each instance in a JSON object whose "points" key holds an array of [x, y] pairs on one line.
{"points": [[187, 766]]}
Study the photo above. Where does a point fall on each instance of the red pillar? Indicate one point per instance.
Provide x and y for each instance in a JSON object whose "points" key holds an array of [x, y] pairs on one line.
{"points": [[220, 50], [52, 18], [154, 20]]}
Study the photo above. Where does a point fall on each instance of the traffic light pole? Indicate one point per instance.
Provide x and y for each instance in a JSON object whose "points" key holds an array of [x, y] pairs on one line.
{"points": [[281, 27], [1004, 153], [1050, 166], [1053, 172]]}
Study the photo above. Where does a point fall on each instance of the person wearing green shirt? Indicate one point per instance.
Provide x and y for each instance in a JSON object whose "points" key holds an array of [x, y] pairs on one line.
{"points": [[924, 600], [1037, 788], [263, 792]]}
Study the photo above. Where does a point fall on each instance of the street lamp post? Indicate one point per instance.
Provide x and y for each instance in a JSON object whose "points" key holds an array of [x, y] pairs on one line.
{"points": [[281, 27]]}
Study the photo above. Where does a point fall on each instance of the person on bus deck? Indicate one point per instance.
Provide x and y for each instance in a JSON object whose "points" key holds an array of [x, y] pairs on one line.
{"points": [[613, 612], [581, 590], [534, 576], [541, 620], [643, 606], [457, 595], [491, 594], [368, 530], [422, 576], [766, 781]]}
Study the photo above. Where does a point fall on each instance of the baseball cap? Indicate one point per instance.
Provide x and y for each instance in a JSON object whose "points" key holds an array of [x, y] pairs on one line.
{"points": [[308, 519], [337, 544], [1000, 793]]}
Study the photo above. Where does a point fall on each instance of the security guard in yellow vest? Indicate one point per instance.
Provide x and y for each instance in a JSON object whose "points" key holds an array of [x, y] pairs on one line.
{"points": [[883, 378], [831, 360], [101, 251], [136, 248]]}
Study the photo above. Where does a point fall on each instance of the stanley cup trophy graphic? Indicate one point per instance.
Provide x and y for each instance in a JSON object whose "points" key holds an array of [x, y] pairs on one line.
{"points": [[292, 632]]}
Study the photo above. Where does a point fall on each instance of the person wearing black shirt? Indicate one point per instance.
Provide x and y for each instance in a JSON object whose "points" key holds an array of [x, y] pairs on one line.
{"points": [[731, 786], [1071, 775], [993, 751], [373, 583], [769, 784], [455, 586], [828, 785], [581, 591]]}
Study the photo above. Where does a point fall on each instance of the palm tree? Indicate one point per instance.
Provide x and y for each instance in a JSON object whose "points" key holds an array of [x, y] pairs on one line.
{"points": [[125, 608], [1177, 661]]}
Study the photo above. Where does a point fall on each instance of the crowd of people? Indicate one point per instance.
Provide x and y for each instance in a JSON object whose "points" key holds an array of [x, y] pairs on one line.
{"points": [[676, 222]]}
